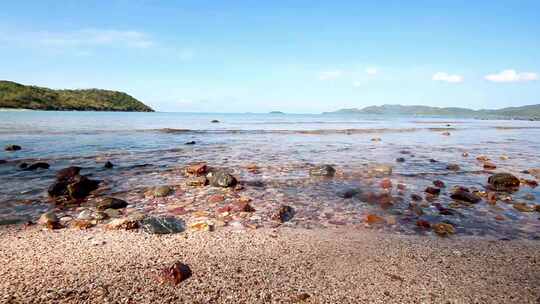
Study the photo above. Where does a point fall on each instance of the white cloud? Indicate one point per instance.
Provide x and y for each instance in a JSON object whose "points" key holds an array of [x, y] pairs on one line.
{"points": [[441, 76], [511, 76], [330, 75], [372, 71]]}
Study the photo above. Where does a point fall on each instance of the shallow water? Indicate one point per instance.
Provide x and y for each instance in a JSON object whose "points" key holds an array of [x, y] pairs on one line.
{"points": [[149, 149]]}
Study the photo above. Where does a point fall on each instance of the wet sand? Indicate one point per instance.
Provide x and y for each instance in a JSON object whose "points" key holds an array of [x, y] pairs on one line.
{"points": [[265, 266]]}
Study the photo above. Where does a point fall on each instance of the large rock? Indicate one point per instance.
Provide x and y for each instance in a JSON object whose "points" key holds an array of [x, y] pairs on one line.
{"points": [[38, 165], [503, 182], [163, 225], [324, 170], [81, 186], [67, 173], [111, 203], [465, 196], [221, 178], [174, 274], [12, 148], [49, 220], [161, 191], [125, 223]]}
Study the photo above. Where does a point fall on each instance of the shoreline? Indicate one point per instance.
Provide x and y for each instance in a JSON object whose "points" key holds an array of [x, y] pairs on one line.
{"points": [[264, 266]]}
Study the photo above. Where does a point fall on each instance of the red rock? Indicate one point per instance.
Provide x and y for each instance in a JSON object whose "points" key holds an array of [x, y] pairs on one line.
{"points": [[174, 274], [197, 169], [423, 224], [439, 184], [401, 186], [386, 183], [433, 191], [489, 166], [216, 198], [373, 219]]}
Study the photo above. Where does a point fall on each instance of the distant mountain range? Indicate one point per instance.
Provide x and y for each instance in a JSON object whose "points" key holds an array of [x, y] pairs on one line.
{"points": [[530, 112], [17, 96]]}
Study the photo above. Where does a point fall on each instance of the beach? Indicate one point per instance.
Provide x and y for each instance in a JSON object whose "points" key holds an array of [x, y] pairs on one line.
{"points": [[267, 209], [265, 266]]}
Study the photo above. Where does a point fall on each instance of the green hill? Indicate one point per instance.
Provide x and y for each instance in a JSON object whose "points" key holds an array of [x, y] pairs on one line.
{"points": [[525, 112], [17, 96]]}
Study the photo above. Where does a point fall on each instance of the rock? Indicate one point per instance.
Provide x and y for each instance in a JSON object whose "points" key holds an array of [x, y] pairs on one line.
{"points": [[111, 203], [433, 191], [125, 223], [534, 172], [81, 186], [482, 158], [81, 224], [190, 142], [86, 215], [38, 165], [380, 170], [57, 189], [423, 224], [465, 154], [324, 170], [431, 160], [23, 166], [112, 213], [214, 121], [197, 169], [163, 225], [161, 191], [67, 173], [439, 183], [284, 213], [373, 219], [523, 207], [489, 166], [49, 220], [504, 157], [452, 167], [174, 274], [529, 197], [443, 229], [3, 161], [445, 133], [201, 226], [108, 165], [491, 198], [386, 183], [101, 215], [529, 182], [200, 181], [12, 148], [376, 139], [465, 196], [348, 193], [503, 182], [400, 160], [416, 197], [242, 207], [221, 178]]}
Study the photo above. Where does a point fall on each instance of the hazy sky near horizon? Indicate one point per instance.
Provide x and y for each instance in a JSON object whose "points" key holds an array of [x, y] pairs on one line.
{"points": [[294, 56]]}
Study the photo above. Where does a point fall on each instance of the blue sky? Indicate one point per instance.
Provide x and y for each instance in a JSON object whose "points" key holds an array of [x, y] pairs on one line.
{"points": [[294, 56]]}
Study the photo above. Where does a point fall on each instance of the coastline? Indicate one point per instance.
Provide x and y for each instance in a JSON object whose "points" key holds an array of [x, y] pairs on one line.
{"points": [[265, 266]]}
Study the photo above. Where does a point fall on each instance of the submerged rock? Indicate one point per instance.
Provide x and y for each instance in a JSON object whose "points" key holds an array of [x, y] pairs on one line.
{"points": [[111, 203], [349, 193], [284, 213], [400, 159], [523, 207], [380, 170], [439, 184], [67, 173], [324, 170], [190, 142], [214, 121], [503, 182], [465, 196], [174, 274], [12, 148], [221, 178], [197, 169], [163, 225], [433, 191], [453, 167], [38, 165], [443, 229], [3, 161], [108, 165], [197, 181]]}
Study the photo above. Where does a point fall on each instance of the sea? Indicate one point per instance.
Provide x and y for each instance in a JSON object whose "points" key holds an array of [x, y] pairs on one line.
{"points": [[150, 149]]}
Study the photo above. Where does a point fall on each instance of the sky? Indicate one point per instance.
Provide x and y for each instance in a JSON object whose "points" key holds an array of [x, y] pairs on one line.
{"points": [[291, 56]]}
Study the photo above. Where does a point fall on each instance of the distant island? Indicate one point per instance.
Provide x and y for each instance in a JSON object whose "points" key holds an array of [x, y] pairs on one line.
{"points": [[276, 112], [17, 96], [530, 112]]}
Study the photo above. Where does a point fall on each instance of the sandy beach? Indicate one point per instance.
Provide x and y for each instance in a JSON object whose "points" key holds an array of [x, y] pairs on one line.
{"points": [[264, 266]]}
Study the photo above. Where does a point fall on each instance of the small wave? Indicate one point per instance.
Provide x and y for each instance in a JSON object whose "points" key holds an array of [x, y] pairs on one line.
{"points": [[306, 132]]}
